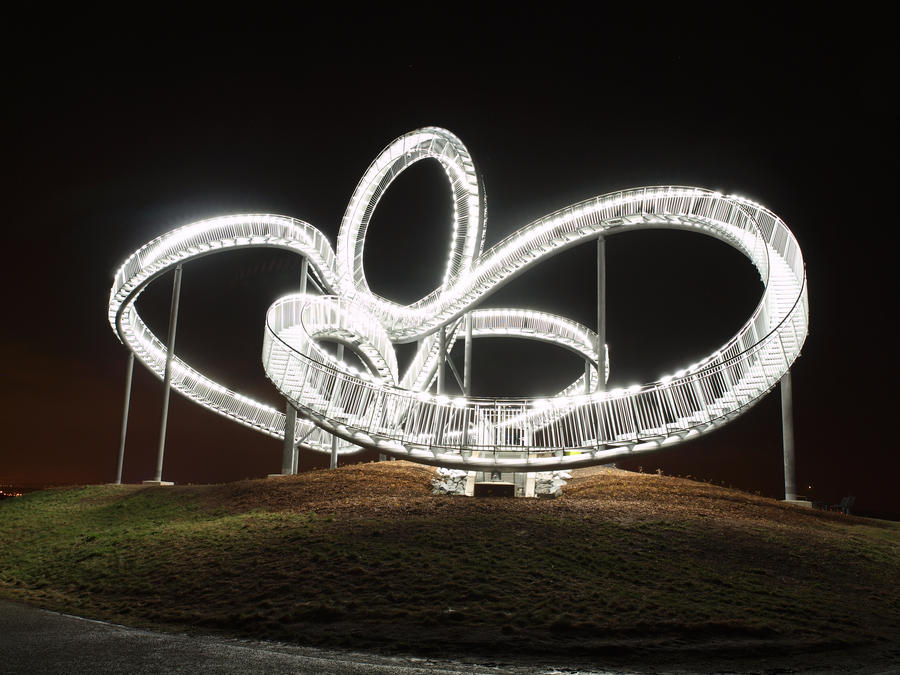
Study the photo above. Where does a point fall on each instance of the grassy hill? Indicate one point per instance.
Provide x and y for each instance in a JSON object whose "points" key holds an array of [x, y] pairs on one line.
{"points": [[624, 569]]}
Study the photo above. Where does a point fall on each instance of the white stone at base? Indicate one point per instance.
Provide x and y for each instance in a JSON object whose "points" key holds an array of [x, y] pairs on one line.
{"points": [[798, 502], [529, 484], [470, 484], [158, 483]]}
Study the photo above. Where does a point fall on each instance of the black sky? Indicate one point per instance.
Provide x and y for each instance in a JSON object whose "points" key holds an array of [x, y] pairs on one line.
{"points": [[118, 137]]}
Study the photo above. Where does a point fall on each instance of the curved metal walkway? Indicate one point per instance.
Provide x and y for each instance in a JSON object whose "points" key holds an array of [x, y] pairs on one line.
{"points": [[395, 414]]}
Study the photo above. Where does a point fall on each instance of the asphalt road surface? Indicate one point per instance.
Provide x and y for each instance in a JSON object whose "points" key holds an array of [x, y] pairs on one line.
{"points": [[37, 641]]}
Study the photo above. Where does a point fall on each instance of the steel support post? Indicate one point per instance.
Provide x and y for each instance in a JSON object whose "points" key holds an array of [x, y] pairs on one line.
{"points": [[334, 439], [601, 323], [287, 452], [442, 354], [129, 371], [455, 373], [304, 274], [587, 376], [467, 357], [333, 463], [167, 374], [787, 430], [601, 314], [295, 449]]}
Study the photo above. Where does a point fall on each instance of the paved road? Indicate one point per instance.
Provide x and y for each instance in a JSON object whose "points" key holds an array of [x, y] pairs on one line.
{"points": [[37, 641], [42, 642]]}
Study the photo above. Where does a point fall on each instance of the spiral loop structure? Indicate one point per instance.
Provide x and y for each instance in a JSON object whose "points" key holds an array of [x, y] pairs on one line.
{"points": [[395, 413]]}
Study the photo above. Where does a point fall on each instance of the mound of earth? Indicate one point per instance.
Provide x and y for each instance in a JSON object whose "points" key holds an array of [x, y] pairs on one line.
{"points": [[624, 570]]}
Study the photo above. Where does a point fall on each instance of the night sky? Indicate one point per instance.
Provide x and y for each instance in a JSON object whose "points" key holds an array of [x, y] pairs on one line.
{"points": [[113, 141]]}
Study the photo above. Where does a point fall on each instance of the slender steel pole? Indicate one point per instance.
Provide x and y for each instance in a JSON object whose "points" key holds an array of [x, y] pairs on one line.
{"points": [[287, 452], [601, 314], [455, 373], [304, 274], [442, 354], [334, 439], [333, 463], [293, 450], [787, 430], [129, 371], [587, 376], [167, 373], [601, 324], [467, 357]]}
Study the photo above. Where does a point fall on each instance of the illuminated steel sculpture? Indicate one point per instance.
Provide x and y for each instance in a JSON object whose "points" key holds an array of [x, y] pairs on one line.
{"points": [[395, 413]]}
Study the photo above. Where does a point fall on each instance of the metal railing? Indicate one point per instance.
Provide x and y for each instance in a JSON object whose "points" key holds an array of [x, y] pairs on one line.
{"points": [[523, 433], [381, 410]]}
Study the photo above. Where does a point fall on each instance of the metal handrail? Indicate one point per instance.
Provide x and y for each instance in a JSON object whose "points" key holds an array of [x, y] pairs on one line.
{"points": [[369, 409]]}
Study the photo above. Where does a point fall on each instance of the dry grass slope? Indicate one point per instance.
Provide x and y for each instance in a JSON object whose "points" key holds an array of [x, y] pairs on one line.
{"points": [[624, 568]]}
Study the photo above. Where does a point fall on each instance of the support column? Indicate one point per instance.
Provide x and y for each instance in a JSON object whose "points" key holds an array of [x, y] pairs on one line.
{"points": [[334, 455], [167, 378], [334, 439], [601, 313], [601, 325], [287, 452], [304, 274], [587, 376], [295, 449], [787, 430], [129, 371], [467, 357], [333, 463], [442, 355]]}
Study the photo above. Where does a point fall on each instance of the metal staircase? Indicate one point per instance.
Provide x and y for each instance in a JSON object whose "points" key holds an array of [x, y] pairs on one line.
{"points": [[397, 415]]}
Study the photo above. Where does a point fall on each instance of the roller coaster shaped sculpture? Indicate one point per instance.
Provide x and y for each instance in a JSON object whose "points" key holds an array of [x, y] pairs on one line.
{"points": [[397, 415]]}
